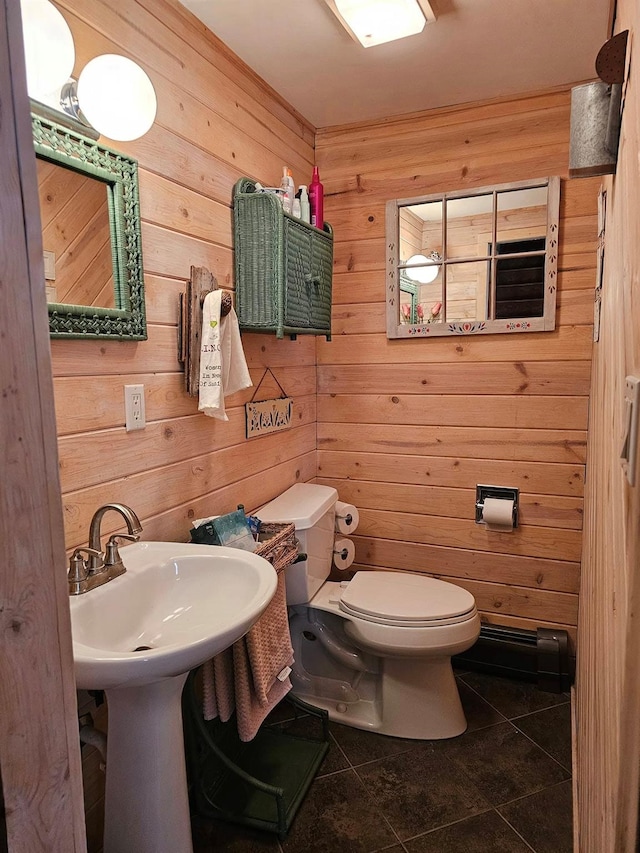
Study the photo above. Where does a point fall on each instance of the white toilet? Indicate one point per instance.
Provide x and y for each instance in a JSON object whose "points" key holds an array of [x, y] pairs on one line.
{"points": [[374, 651]]}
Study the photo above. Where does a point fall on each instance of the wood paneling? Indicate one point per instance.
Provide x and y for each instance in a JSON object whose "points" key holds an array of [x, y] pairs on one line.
{"points": [[450, 471], [407, 428], [39, 748], [448, 410], [509, 378], [185, 480], [464, 563], [164, 442], [518, 445], [566, 343], [164, 397], [215, 121], [608, 675]]}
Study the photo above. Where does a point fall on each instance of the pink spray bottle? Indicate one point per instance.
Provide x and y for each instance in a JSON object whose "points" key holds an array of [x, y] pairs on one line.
{"points": [[316, 200]]}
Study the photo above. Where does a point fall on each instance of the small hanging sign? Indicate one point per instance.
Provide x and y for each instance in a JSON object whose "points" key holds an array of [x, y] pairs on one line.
{"points": [[268, 416], [265, 416]]}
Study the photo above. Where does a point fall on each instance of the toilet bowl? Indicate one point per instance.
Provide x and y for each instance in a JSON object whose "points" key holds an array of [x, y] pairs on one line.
{"points": [[375, 651]]}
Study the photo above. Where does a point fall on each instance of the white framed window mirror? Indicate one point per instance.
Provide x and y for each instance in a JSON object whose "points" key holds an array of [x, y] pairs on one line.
{"points": [[480, 261]]}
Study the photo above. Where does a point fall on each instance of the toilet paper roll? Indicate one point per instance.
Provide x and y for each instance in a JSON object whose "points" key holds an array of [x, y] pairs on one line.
{"points": [[498, 514], [347, 517], [344, 553]]}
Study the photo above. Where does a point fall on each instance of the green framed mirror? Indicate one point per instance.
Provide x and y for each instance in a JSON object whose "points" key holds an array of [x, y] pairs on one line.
{"points": [[90, 214], [408, 300]]}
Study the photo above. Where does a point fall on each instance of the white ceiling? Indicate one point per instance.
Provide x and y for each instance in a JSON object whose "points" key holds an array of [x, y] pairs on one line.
{"points": [[476, 49]]}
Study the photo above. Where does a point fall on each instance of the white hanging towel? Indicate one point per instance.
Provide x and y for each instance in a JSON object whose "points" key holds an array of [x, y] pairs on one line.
{"points": [[223, 369]]}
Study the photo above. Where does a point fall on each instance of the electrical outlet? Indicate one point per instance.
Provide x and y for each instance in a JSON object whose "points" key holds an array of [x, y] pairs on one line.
{"points": [[49, 265], [134, 407]]}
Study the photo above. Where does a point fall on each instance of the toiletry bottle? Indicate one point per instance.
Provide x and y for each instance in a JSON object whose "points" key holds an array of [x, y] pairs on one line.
{"points": [[287, 190], [291, 187], [296, 205], [305, 213], [316, 199]]}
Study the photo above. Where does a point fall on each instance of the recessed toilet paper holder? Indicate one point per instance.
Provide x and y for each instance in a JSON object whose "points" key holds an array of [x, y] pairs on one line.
{"points": [[499, 492]]}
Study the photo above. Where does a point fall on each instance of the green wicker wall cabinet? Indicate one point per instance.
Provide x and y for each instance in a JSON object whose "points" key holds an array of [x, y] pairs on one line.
{"points": [[283, 267]]}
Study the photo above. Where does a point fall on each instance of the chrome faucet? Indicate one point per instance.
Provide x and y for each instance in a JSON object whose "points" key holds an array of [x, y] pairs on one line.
{"points": [[101, 567]]}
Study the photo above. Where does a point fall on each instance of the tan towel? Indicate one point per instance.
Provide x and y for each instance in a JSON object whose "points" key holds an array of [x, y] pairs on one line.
{"points": [[217, 687], [258, 659]]}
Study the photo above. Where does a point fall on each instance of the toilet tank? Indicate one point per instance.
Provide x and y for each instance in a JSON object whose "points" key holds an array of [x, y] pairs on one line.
{"points": [[312, 509]]}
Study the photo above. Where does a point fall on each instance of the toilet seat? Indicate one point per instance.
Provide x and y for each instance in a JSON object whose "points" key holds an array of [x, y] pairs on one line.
{"points": [[405, 600]]}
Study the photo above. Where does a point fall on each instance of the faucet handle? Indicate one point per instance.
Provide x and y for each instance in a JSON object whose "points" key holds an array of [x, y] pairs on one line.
{"points": [[111, 554], [79, 568]]}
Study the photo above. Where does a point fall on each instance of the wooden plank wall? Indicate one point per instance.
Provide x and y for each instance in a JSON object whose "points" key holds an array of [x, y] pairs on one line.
{"points": [[216, 122], [406, 429], [608, 677], [40, 791]]}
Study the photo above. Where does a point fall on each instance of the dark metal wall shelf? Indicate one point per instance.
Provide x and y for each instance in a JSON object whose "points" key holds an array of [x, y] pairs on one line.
{"points": [[260, 783]]}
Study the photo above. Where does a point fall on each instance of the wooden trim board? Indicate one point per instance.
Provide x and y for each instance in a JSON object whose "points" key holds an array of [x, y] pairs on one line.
{"points": [[40, 747]]}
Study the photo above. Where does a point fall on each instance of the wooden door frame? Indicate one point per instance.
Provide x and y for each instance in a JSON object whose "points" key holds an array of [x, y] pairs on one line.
{"points": [[39, 742]]}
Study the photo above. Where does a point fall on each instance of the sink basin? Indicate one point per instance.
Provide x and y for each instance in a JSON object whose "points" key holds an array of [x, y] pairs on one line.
{"points": [[137, 637], [176, 606]]}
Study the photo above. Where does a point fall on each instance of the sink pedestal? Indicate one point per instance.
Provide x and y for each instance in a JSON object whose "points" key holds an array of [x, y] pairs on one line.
{"points": [[146, 800]]}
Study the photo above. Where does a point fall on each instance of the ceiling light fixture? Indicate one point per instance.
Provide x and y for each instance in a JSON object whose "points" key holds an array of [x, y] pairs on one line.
{"points": [[373, 22]]}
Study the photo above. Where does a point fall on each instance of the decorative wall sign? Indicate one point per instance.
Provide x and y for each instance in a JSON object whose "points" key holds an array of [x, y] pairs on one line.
{"points": [[265, 416]]}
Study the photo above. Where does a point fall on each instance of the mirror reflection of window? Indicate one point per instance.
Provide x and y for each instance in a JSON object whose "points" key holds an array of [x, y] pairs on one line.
{"points": [[469, 226], [76, 237], [477, 259], [421, 240], [519, 278], [520, 228], [420, 230], [467, 290], [521, 214]]}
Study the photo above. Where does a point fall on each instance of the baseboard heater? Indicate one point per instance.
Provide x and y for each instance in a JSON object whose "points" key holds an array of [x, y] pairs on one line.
{"points": [[541, 656]]}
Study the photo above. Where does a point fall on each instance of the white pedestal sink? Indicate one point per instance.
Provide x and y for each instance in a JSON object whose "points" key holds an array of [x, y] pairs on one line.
{"points": [[137, 637]]}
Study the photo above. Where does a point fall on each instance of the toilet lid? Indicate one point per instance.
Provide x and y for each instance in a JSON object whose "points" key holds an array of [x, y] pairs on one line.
{"points": [[405, 599]]}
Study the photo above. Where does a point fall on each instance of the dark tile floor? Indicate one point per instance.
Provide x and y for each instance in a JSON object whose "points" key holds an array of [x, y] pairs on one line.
{"points": [[504, 786]]}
